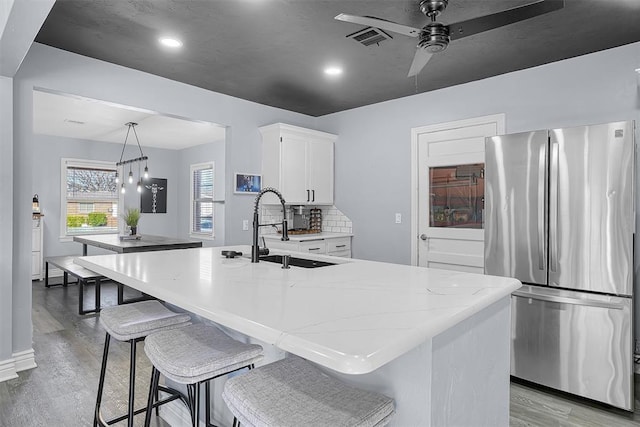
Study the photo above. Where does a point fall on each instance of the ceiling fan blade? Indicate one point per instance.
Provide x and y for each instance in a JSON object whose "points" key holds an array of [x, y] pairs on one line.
{"points": [[420, 59], [500, 19], [383, 24]]}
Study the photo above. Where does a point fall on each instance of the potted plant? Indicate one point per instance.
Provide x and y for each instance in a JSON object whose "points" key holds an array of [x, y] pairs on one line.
{"points": [[131, 217]]}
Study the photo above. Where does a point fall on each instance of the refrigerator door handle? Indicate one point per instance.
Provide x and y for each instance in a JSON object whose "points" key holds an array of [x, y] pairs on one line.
{"points": [[569, 300], [553, 208], [542, 167]]}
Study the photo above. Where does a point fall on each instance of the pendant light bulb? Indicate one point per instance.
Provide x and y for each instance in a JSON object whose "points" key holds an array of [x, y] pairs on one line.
{"points": [[117, 178], [122, 189], [130, 177], [146, 172], [139, 187]]}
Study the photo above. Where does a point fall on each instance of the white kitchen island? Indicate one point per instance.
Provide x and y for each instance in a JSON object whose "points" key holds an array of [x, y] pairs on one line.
{"points": [[436, 341]]}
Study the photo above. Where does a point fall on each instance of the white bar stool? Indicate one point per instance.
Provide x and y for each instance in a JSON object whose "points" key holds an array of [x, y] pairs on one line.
{"points": [[292, 393], [132, 323], [194, 355]]}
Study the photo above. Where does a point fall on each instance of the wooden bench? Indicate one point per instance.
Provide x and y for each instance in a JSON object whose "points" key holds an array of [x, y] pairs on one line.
{"points": [[83, 276]]}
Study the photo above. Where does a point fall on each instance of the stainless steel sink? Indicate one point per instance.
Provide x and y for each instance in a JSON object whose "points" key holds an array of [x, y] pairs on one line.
{"points": [[297, 262]]}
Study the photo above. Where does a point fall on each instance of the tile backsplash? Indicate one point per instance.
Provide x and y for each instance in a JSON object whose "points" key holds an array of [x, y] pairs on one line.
{"points": [[333, 220]]}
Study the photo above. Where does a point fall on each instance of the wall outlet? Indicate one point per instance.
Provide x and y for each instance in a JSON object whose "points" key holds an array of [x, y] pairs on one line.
{"points": [[245, 224], [398, 218]]}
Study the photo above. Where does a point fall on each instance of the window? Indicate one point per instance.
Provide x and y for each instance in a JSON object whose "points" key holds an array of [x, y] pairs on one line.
{"points": [[89, 198], [457, 194], [201, 218]]}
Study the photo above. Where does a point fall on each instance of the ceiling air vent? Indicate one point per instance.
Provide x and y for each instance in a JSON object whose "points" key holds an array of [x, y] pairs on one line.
{"points": [[369, 36]]}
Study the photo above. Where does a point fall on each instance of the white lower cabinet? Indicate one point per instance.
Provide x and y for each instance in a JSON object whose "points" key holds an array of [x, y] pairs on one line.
{"points": [[330, 245], [36, 248]]}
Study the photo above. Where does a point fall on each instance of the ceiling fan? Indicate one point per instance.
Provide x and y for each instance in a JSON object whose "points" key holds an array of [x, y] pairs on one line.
{"points": [[434, 37]]}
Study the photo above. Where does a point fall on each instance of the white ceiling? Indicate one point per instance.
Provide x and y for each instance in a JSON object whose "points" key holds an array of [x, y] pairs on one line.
{"points": [[89, 119]]}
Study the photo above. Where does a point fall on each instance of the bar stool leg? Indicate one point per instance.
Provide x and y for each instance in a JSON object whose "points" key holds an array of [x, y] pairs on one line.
{"points": [[103, 371], [132, 382], [192, 390], [207, 402], [153, 396]]}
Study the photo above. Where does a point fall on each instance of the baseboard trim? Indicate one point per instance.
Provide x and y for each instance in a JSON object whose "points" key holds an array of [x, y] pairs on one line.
{"points": [[25, 360], [8, 370]]}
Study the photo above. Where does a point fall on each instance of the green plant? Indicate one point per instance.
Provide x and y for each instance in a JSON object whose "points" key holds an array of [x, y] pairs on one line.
{"points": [[76, 220], [131, 217], [97, 219]]}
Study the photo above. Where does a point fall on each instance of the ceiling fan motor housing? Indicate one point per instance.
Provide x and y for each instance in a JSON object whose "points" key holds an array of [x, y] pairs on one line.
{"points": [[434, 37], [433, 8]]}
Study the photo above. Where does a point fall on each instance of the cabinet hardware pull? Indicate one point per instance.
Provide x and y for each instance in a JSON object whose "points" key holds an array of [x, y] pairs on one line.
{"points": [[340, 246], [314, 195], [307, 195], [314, 249]]}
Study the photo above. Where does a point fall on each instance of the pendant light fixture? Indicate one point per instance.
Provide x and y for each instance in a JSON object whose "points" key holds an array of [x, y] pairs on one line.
{"points": [[139, 160]]}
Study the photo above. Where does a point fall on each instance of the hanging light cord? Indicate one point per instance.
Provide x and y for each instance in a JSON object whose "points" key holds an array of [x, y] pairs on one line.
{"points": [[129, 125], [137, 140]]}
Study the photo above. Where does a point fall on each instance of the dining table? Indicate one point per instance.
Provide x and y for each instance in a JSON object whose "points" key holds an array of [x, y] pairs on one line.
{"points": [[129, 244]]}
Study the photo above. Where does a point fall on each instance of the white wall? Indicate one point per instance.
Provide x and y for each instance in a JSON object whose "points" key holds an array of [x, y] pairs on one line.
{"points": [[373, 150]]}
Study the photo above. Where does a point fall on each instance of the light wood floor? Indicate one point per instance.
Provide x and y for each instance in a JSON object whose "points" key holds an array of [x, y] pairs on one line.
{"points": [[61, 391]]}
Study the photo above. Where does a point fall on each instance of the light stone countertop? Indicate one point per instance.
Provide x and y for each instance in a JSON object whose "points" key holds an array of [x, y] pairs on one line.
{"points": [[304, 237], [352, 317]]}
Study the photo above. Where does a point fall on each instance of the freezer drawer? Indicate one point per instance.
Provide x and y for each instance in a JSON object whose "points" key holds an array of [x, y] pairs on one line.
{"points": [[575, 342]]}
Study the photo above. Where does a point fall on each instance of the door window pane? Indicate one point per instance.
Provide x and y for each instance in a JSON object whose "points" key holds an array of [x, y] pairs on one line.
{"points": [[457, 196]]}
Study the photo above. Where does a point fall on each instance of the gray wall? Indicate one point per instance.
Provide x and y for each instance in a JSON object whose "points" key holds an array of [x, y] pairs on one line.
{"points": [[57, 70], [214, 151], [373, 152], [6, 215], [47, 154]]}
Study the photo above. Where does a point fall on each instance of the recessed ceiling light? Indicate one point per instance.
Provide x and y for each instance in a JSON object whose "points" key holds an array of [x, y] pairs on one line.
{"points": [[333, 71], [170, 42]]}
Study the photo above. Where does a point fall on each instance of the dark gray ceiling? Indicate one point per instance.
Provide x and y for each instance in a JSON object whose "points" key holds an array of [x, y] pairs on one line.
{"points": [[273, 51]]}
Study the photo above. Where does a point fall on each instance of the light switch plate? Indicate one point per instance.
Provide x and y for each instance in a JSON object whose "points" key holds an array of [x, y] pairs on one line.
{"points": [[245, 224], [398, 218]]}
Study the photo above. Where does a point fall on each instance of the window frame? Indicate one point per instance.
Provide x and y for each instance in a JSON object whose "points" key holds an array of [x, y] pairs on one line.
{"points": [[65, 163], [192, 201]]}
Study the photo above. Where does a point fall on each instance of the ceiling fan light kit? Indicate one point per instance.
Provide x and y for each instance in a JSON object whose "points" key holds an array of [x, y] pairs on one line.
{"points": [[434, 37]]}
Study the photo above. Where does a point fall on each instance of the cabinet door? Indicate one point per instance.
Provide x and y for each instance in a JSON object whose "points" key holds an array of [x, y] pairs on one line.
{"points": [[320, 171], [36, 267], [293, 178], [35, 239]]}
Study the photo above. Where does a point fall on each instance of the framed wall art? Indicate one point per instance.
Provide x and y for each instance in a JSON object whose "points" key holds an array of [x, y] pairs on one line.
{"points": [[153, 198]]}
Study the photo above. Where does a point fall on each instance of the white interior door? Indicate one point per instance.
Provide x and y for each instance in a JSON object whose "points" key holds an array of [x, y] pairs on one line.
{"points": [[455, 146]]}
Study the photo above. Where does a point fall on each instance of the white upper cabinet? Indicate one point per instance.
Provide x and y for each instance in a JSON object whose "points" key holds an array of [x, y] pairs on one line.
{"points": [[299, 163]]}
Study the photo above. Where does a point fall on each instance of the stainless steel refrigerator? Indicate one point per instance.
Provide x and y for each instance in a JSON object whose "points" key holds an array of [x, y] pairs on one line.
{"points": [[560, 217]]}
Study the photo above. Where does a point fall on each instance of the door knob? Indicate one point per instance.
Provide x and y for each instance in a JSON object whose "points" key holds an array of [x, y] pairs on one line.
{"points": [[423, 236]]}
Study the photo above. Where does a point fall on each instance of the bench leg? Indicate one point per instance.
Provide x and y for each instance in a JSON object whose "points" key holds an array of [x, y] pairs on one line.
{"points": [[120, 293], [81, 285], [81, 297], [98, 283], [65, 279], [46, 274]]}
